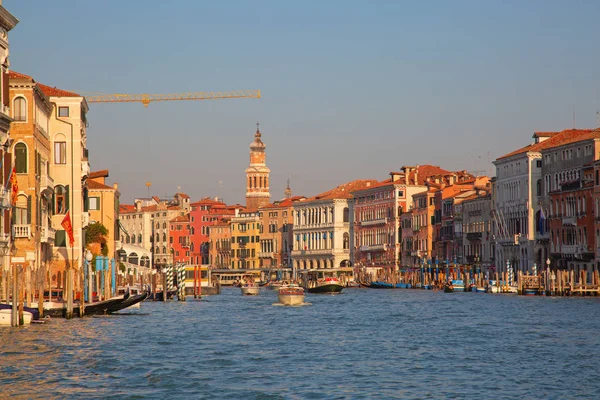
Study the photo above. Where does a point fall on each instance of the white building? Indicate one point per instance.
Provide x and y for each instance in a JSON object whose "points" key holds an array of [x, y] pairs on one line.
{"points": [[322, 228]]}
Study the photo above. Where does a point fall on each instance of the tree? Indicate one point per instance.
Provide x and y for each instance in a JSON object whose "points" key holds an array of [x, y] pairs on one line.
{"points": [[96, 233]]}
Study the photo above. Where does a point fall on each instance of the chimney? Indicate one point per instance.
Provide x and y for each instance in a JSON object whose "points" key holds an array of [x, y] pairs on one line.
{"points": [[116, 186], [138, 205], [395, 176], [417, 175]]}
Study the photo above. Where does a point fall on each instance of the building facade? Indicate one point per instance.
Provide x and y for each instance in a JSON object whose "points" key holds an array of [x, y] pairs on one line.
{"points": [[245, 240], [103, 206]]}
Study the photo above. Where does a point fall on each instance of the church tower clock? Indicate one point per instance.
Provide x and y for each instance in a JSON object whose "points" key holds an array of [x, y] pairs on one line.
{"points": [[257, 174]]}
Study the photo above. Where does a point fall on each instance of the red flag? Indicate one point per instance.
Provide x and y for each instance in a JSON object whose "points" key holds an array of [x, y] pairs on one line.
{"points": [[66, 223], [14, 185]]}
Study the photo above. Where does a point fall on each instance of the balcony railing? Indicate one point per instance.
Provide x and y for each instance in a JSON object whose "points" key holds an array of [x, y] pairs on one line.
{"points": [[376, 247], [22, 231], [569, 221], [312, 252], [380, 221], [266, 254], [47, 234]]}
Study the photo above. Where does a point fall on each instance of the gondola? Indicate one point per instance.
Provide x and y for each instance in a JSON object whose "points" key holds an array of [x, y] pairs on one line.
{"points": [[128, 302]]}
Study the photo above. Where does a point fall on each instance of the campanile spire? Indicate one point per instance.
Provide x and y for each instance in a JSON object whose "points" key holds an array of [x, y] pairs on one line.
{"points": [[257, 174]]}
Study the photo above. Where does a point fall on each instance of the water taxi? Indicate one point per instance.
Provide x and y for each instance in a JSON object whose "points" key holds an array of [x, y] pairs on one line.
{"points": [[291, 295]]}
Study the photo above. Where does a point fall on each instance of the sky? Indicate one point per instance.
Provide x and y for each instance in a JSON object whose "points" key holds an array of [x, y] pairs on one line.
{"points": [[350, 89]]}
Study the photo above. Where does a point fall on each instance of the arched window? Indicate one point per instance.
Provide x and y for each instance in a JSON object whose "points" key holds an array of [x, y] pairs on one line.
{"points": [[164, 225], [127, 240], [21, 158], [157, 250], [157, 237], [140, 238], [60, 200], [346, 241], [346, 215], [164, 237], [133, 258], [60, 149], [157, 225], [133, 239], [20, 109], [22, 210]]}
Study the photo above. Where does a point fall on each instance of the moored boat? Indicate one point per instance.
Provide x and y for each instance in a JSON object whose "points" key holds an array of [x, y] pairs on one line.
{"points": [[329, 285], [130, 302], [101, 307], [291, 295], [6, 316]]}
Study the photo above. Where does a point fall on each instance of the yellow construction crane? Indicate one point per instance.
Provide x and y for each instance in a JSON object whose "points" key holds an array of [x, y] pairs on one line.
{"points": [[146, 99]]}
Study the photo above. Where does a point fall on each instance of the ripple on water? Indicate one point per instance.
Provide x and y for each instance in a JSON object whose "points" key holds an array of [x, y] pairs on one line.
{"points": [[363, 344]]}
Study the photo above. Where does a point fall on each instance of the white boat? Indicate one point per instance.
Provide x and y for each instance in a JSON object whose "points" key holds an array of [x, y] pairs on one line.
{"points": [[6, 314], [250, 289], [291, 295], [493, 287]]}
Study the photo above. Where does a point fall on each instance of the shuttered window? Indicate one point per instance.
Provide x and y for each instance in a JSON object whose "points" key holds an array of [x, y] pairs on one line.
{"points": [[21, 158]]}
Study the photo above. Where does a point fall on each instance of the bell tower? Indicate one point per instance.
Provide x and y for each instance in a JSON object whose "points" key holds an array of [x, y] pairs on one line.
{"points": [[257, 174]]}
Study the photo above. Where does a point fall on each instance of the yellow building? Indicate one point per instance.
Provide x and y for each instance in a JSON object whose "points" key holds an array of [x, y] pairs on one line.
{"points": [[245, 240], [31, 145], [103, 207]]}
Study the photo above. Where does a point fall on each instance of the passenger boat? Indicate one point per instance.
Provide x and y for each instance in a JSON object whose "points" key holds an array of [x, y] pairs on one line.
{"points": [[291, 295], [6, 314], [455, 285], [329, 285], [250, 289]]}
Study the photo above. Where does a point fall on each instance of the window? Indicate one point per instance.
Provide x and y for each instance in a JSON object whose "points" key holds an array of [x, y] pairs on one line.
{"points": [[21, 158], [60, 152], [60, 200], [60, 238], [63, 111], [20, 109], [94, 203], [538, 163]]}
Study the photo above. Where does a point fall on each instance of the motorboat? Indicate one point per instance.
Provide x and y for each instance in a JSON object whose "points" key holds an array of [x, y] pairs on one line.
{"points": [[35, 313], [6, 316], [329, 285], [273, 285], [250, 289], [291, 295]]}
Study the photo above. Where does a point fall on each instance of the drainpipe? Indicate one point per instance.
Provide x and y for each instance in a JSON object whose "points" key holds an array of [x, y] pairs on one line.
{"points": [[70, 282]]}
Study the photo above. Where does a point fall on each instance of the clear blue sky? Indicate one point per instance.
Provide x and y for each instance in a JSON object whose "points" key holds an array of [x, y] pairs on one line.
{"points": [[351, 89]]}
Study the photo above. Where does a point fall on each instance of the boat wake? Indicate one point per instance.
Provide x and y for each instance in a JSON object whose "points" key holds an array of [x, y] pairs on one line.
{"points": [[297, 305]]}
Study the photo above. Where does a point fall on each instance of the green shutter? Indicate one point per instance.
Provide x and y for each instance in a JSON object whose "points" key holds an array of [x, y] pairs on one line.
{"points": [[60, 239], [86, 204], [67, 199], [53, 205], [29, 210]]}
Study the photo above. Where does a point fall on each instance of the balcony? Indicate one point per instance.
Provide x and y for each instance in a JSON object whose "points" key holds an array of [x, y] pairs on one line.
{"points": [[46, 184], [373, 248], [4, 198], [569, 221], [319, 252], [474, 236], [266, 254], [22, 231], [380, 221], [47, 235]]}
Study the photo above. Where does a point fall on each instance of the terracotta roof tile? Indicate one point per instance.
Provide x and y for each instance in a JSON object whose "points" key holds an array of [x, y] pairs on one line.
{"points": [[18, 75], [558, 139], [181, 218], [97, 185], [126, 208], [344, 191], [183, 195], [55, 92], [99, 174]]}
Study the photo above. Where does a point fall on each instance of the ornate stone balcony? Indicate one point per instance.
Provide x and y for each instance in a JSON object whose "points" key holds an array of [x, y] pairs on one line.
{"points": [[22, 231], [375, 247], [380, 221], [47, 234], [266, 254]]}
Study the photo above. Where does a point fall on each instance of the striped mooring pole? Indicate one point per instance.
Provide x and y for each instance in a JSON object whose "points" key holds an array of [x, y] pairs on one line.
{"points": [[181, 282]]}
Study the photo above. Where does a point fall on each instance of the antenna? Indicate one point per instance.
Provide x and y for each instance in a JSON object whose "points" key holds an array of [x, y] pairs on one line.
{"points": [[598, 118], [573, 117], [148, 184]]}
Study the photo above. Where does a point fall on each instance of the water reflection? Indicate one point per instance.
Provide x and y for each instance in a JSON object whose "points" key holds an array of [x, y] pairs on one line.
{"points": [[364, 344]]}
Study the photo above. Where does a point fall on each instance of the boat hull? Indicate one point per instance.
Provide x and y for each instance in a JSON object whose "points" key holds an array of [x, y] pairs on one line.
{"points": [[6, 314], [291, 299], [332, 288], [131, 301], [250, 291]]}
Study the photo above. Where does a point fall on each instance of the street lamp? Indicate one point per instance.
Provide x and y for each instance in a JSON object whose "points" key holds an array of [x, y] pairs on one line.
{"points": [[88, 274]]}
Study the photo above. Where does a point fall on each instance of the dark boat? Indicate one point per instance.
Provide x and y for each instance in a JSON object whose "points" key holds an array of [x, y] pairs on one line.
{"points": [[381, 285], [34, 311], [101, 307], [329, 285], [128, 302], [159, 296]]}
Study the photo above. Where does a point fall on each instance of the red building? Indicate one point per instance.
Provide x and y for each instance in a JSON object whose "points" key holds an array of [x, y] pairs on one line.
{"points": [[200, 220], [179, 237]]}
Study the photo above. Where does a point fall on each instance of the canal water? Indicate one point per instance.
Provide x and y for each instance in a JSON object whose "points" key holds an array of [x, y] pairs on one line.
{"points": [[362, 344]]}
